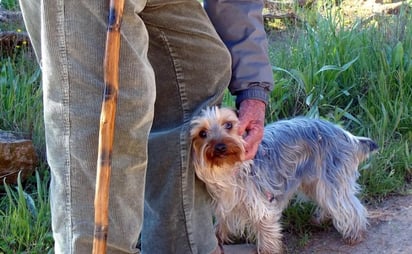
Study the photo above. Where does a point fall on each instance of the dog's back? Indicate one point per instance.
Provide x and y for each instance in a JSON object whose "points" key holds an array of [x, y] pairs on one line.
{"points": [[316, 131], [303, 149], [303, 132]]}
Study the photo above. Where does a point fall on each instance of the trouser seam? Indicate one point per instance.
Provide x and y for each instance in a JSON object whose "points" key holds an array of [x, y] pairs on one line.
{"points": [[66, 117], [183, 98]]}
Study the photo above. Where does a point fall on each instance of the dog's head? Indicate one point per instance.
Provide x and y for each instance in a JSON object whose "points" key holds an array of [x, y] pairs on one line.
{"points": [[215, 138]]}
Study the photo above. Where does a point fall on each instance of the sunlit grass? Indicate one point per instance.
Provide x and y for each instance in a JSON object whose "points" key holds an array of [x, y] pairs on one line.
{"points": [[25, 218], [21, 98]]}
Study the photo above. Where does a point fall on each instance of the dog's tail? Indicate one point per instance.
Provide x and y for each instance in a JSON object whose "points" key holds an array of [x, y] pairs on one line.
{"points": [[366, 147]]}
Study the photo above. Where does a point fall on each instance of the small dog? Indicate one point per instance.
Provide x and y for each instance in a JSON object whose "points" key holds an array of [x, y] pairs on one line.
{"points": [[314, 157]]}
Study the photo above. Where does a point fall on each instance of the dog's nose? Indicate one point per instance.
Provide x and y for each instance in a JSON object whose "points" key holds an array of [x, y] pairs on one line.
{"points": [[220, 148]]}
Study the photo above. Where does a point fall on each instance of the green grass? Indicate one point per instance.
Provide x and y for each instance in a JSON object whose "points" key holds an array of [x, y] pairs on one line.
{"points": [[357, 74], [21, 98], [360, 77], [25, 218], [25, 213]]}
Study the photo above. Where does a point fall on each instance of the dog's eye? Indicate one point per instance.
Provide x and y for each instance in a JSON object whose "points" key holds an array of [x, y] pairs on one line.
{"points": [[228, 125], [203, 134]]}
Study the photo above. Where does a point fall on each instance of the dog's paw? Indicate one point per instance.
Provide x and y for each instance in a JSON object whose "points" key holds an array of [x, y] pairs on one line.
{"points": [[355, 240]]}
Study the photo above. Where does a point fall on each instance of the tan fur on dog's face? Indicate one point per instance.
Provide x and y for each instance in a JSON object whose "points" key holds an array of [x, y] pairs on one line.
{"points": [[215, 138]]}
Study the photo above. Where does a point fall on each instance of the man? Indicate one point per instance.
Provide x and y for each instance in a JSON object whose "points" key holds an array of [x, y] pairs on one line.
{"points": [[173, 63]]}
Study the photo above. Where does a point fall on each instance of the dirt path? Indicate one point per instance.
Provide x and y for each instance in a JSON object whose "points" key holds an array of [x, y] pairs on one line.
{"points": [[390, 232]]}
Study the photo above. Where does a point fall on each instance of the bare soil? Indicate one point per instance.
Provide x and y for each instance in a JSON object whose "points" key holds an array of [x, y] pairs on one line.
{"points": [[390, 231]]}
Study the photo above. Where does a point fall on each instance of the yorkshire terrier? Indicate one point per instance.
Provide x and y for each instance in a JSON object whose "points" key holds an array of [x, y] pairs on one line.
{"points": [[300, 155]]}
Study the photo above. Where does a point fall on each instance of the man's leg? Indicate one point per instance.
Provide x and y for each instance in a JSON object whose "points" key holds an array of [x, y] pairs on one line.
{"points": [[192, 69], [72, 38]]}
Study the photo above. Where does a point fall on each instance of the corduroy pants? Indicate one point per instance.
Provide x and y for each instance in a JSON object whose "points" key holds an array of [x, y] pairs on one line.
{"points": [[172, 64]]}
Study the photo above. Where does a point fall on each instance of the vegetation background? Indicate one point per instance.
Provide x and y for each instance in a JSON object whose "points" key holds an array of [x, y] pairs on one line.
{"points": [[349, 68]]}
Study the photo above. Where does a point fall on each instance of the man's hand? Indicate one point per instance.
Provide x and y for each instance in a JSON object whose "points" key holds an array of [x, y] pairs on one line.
{"points": [[252, 119]]}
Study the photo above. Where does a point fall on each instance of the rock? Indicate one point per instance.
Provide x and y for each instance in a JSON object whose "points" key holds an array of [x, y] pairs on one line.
{"points": [[16, 154]]}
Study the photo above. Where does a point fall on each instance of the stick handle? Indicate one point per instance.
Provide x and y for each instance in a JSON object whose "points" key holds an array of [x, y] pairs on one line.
{"points": [[107, 123]]}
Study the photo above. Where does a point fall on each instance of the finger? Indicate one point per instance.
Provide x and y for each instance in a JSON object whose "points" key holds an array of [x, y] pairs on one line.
{"points": [[241, 128], [252, 141], [244, 124], [254, 135], [251, 152]]}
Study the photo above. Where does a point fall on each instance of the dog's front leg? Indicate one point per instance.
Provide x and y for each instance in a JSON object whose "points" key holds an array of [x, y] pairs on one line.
{"points": [[223, 232], [269, 235]]}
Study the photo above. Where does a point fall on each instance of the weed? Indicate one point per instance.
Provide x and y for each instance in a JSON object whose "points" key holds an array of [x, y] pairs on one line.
{"points": [[25, 218]]}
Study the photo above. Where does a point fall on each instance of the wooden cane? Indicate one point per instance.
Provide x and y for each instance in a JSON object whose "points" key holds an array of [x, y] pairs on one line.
{"points": [[106, 132]]}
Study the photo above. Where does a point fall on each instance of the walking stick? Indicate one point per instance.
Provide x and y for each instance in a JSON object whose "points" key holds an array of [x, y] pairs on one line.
{"points": [[106, 132]]}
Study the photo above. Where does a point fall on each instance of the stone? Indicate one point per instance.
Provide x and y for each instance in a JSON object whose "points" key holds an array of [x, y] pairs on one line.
{"points": [[16, 155]]}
